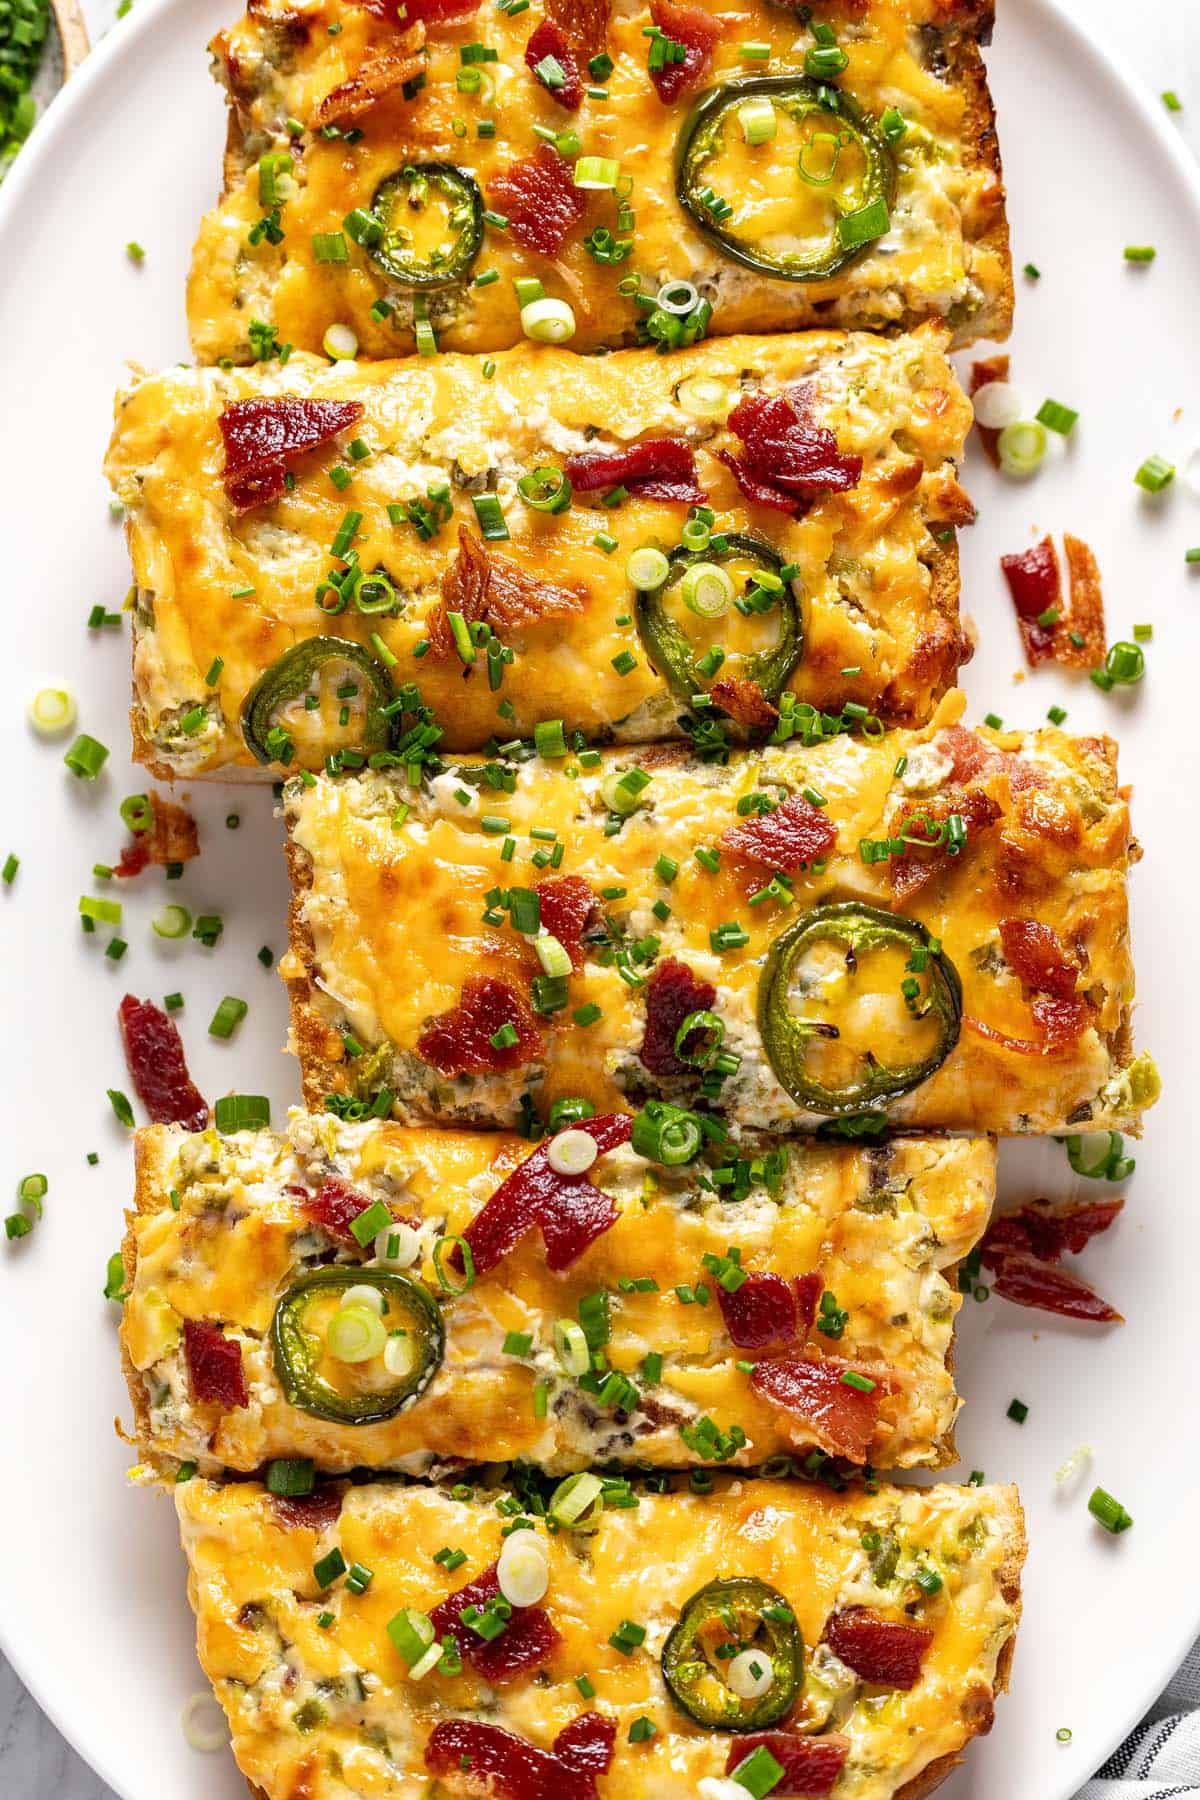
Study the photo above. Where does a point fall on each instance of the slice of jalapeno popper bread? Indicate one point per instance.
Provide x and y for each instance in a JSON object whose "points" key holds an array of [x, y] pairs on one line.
{"points": [[657, 169], [539, 540], [372, 1296], [398, 1640], [929, 927]]}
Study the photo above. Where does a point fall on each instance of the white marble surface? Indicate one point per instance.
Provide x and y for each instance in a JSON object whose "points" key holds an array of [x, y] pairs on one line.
{"points": [[1160, 41]]}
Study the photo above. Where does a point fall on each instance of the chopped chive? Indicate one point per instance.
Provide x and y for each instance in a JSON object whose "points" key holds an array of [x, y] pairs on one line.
{"points": [[228, 1017], [1017, 1411]]}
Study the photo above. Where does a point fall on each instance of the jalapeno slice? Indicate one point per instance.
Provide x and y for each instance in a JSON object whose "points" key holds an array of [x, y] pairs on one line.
{"points": [[671, 650], [432, 219], [832, 941], [371, 1388], [297, 672], [834, 149], [723, 1621]]}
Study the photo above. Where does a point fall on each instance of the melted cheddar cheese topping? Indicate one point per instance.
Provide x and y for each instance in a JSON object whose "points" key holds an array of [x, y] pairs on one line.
{"points": [[882, 1226], [944, 256], [389, 921], [877, 589], [331, 1713]]}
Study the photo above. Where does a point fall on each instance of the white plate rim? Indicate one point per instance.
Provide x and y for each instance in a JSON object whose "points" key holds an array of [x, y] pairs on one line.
{"points": [[73, 98]]}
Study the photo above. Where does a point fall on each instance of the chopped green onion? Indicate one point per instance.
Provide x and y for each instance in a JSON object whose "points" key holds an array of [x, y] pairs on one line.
{"points": [[707, 590], [548, 321], [1056, 417], [1021, 447], [340, 343], [1155, 474], [52, 710], [121, 1107], [228, 1017], [86, 757], [1140, 253], [757, 120], [172, 922], [597, 172], [290, 1477], [241, 1112], [865, 225], [1109, 1512]]}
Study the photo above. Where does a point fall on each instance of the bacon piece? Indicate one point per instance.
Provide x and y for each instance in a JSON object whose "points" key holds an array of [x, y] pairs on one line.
{"points": [[1042, 1046], [1036, 586], [672, 992], [1047, 1229], [310, 1512], [170, 837], [1038, 955], [970, 755], [655, 468], [1060, 1023], [549, 39], [795, 833], [984, 372], [918, 865], [744, 701], [882, 1651], [1029, 1281], [375, 78], [808, 1290], [495, 590], [459, 1042], [566, 904], [214, 1364], [568, 1210], [334, 1208], [585, 23], [1085, 613], [510, 1768], [698, 31], [759, 493], [763, 1310], [840, 1418], [811, 1765], [786, 460], [262, 437], [539, 198], [158, 1067], [525, 1643]]}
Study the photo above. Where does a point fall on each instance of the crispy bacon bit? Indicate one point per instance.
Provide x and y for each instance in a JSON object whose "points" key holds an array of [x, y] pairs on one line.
{"points": [[1038, 955], [585, 23], [971, 755], [672, 992], [1047, 1229], [1036, 587], [744, 701], [158, 1067], [795, 833], [1028, 1281], [262, 437], [1060, 1023], [310, 1512], [786, 460], [539, 198], [568, 1210], [655, 468], [525, 1643], [698, 31], [910, 872], [882, 1651], [567, 903], [511, 1768], [810, 1765], [549, 39], [762, 1311], [170, 837], [808, 1290], [1085, 614], [497, 591], [838, 1417], [983, 373], [459, 1042], [375, 78], [214, 1364], [335, 1208]]}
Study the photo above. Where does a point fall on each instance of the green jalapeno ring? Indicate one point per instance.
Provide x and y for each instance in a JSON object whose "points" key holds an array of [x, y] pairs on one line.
{"points": [[786, 1040], [798, 96], [667, 644], [292, 673], [694, 1682], [296, 1363], [395, 191]]}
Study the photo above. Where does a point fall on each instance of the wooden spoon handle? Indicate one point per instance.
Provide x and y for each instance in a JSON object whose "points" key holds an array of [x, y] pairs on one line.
{"points": [[72, 33]]}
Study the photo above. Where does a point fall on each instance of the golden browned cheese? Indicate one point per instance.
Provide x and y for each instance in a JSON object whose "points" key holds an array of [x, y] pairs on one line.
{"points": [[291, 66], [220, 1234], [331, 1713], [400, 899], [223, 595]]}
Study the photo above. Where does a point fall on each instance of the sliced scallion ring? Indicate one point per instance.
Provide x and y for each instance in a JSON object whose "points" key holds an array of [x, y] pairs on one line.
{"points": [[340, 343], [577, 1502], [550, 953], [1099, 1156], [703, 397], [355, 1334], [572, 1152], [622, 790], [1021, 447], [548, 321], [707, 590], [545, 489], [52, 710], [997, 404], [757, 120], [172, 922], [523, 1569], [449, 1279], [646, 569], [597, 172], [137, 812], [571, 1347], [204, 1723], [678, 297]]}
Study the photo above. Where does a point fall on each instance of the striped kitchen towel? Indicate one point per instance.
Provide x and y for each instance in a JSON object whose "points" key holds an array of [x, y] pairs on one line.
{"points": [[1161, 1759]]}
